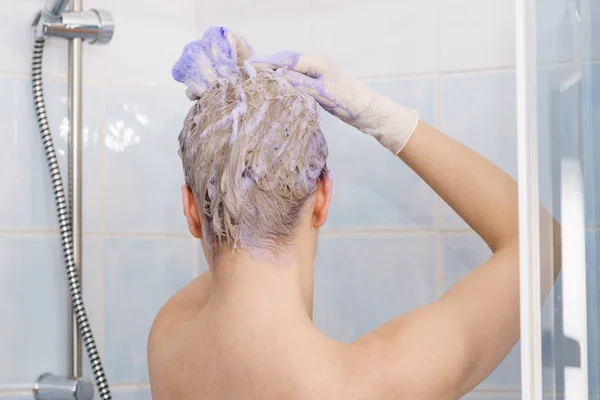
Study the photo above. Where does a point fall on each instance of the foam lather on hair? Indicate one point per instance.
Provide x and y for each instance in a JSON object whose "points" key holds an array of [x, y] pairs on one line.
{"points": [[252, 153], [217, 55]]}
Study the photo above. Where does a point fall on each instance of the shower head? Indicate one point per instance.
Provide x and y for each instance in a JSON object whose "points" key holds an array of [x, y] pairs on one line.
{"points": [[55, 8]]}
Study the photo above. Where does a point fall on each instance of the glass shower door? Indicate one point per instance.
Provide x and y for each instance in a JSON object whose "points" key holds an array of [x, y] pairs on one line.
{"points": [[558, 69]]}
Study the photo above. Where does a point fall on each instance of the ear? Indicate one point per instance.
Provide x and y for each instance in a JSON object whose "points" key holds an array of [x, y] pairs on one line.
{"points": [[190, 210], [322, 200]]}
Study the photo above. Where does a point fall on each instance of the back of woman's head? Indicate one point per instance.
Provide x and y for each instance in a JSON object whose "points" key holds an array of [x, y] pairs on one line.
{"points": [[253, 153]]}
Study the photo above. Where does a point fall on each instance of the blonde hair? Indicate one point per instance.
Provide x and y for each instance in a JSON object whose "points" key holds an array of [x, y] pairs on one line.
{"points": [[252, 153]]}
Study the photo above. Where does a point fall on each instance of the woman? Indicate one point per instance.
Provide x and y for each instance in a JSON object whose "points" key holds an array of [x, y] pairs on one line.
{"points": [[257, 191]]}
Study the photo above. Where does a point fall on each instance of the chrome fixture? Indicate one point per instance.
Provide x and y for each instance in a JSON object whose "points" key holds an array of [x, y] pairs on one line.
{"points": [[75, 25], [93, 26], [52, 387]]}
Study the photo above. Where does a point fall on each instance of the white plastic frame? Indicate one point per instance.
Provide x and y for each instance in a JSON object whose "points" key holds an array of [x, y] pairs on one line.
{"points": [[529, 227]]}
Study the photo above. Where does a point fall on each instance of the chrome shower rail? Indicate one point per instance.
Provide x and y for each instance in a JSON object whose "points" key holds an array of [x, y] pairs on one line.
{"points": [[75, 25], [75, 180]]}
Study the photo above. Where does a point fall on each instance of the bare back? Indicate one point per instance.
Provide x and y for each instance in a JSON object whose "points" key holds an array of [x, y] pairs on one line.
{"points": [[199, 350], [255, 347], [203, 349]]}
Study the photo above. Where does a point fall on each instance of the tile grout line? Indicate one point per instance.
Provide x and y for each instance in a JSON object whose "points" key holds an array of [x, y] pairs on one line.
{"points": [[325, 233], [29, 233], [22, 389], [391, 232], [164, 88], [146, 385]]}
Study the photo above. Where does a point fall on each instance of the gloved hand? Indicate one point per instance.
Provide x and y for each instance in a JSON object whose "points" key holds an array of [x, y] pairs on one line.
{"points": [[347, 98], [219, 54]]}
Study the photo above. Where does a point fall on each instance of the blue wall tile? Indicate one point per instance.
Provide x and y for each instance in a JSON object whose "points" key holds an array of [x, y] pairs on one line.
{"points": [[117, 394], [92, 278], [372, 188], [140, 276], [29, 205], [33, 308], [132, 394], [479, 110], [492, 396], [30, 202], [142, 173], [462, 254], [48, 304], [22, 396], [56, 105], [364, 281], [417, 93]]}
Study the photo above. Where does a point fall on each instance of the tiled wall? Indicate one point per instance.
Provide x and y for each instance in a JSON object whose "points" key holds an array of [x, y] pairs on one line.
{"points": [[390, 244]]}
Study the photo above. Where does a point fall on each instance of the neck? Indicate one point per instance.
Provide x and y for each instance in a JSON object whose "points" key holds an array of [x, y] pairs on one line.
{"points": [[281, 286]]}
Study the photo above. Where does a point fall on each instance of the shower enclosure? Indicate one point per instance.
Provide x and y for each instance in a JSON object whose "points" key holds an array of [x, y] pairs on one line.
{"points": [[449, 54], [558, 105]]}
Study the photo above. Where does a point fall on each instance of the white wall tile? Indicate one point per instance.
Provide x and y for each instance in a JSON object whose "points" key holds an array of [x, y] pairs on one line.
{"points": [[476, 34], [149, 38], [17, 43], [383, 37], [269, 27]]}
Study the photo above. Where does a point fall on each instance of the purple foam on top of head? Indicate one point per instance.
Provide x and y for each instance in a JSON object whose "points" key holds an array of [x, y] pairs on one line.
{"points": [[206, 60]]}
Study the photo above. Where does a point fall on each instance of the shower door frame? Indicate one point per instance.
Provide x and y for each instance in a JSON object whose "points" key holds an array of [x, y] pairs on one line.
{"points": [[529, 227], [574, 286]]}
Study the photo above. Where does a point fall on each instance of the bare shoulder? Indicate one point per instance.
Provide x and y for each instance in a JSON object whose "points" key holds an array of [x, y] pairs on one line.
{"points": [[181, 308], [419, 355], [163, 347]]}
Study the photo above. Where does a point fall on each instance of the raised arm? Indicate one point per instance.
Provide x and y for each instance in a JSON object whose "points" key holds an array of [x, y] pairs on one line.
{"points": [[480, 314], [481, 193], [445, 349]]}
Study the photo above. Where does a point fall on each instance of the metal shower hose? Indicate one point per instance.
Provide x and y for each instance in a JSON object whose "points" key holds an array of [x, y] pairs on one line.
{"points": [[64, 222]]}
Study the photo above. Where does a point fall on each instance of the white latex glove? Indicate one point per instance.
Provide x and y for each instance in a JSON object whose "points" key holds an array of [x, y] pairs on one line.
{"points": [[218, 54], [347, 98]]}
